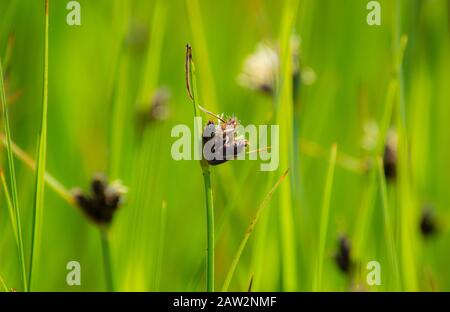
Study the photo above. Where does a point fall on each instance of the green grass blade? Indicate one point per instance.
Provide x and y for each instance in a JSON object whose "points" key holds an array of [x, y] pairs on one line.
{"points": [[9, 204], [404, 187], [160, 246], [51, 181], [154, 52], [285, 118], [324, 219], [2, 282], [249, 231], [40, 168], [12, 173]]}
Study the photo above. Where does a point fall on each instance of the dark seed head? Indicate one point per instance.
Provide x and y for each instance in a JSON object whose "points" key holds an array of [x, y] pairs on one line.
{"points": [[342, 256], [428, 225], [103, 201], [223, 141]]}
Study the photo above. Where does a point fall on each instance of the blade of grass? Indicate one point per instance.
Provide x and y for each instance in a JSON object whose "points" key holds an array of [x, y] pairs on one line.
{"points": [[324, 219], [404, 179], [360, 235], [250, 283], [388, 226], [51, 181], [12, 174], [285, 119], [160, 246], [5, 287], [249, 231], [41, 158], [118, 118], [9, 204], [196, 25], [153, 58]]}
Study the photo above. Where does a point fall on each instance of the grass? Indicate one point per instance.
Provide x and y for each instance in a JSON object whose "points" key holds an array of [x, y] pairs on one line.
{"points": [[9, 204], [285, 119], [324, 219], [41, 163], [5, 287], [388, 225], [249, 231], [15, 216]]}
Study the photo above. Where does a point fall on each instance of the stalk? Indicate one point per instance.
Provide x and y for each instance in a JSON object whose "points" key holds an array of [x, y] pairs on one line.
{"points": [[209, 229], [107, 263], [191, 85]]}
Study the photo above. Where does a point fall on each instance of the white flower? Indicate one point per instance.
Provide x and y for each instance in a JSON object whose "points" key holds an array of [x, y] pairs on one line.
{"points": [[260, 69]]}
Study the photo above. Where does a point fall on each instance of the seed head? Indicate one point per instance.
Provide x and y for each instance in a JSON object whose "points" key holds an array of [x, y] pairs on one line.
{"points": [[261, 69], [103, 201], [221, 141]]}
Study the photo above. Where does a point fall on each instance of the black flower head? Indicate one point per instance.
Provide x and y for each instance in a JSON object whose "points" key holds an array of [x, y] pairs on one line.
{"points": [[221, 141], [428, 225], [103, 201], [342, 256]]}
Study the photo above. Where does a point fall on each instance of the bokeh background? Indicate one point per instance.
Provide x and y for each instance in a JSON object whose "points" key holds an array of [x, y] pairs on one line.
{"points": [[106, 71]]}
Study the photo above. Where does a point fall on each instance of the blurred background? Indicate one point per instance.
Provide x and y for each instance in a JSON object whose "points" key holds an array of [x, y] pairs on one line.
{"points": [[117, 87]]}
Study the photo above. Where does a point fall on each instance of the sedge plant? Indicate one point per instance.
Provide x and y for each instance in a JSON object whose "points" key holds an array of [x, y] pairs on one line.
{"points": [[191, 85]]}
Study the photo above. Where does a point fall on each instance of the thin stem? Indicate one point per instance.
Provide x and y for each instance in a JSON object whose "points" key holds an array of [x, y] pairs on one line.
{"points": [[191, 86], [107, 263], [209, 230]]}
